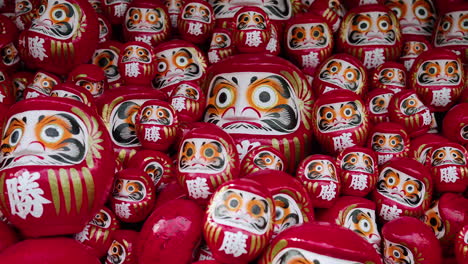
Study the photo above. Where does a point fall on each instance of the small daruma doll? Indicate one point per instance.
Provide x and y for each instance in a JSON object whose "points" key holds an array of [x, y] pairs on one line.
{"points": [[63, 36], [408, 240], [56, 166], [137, 64], [263, 158], [252, 30], [455, 124], [404, 187], [332, 10], [408, 110], [448, 163], [452, 31], [240, 210], [377, 102], [416, 17], [356, 214], [340, 121], [413, 46], [196, 21], [158, 165], [321, 177], [388, 140], [106, 57], [42, 85], [206, 158], [188, 100], [358, 171], [390, 75], [461, 245], [156, 125], [438, 78], [146, 21], [309, 40], [221, 46], [133, 195], [261, 100], [90, 77], [371, 33], [341, 71]]}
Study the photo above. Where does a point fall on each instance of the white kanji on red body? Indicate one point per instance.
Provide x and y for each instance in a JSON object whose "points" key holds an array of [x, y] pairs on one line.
{"points": [[83, 235], [198, 188], [36, 48], [441, 97], [328, 192], [358, 182], [120, 9], [25, 195], [384, 158], [271, 46], [408, 64], [310, 60], [234, 243], [195, 28], [253, 39], [374, 58], [244, 147], [152, 134], [449, 174], [343, 142], [213, 56], [132, 69], [123, 210], [146, 39], [390, 212], [178, 103], [427, 118]]}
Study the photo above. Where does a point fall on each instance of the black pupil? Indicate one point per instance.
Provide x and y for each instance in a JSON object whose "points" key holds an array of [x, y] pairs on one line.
{"points": [[316, 33], [450, 70], [161, 66], [256, 209], [300, 35], [433, 221], [15, 137], [209, 152], [233, 203], [189, 152], [384, 24], [348, 112], [103, 62], [114, 249], [329, 115], [59, 14], [390, 180], [265, 97], [51, 132], [422, 12], [363, 26], [222, 98]]}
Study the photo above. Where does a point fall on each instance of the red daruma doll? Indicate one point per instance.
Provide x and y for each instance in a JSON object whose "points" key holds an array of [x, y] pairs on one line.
{"points": [[196, 21], [252, 30]]}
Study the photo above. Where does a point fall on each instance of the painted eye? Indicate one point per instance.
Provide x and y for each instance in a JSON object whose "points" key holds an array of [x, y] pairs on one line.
{"points": [[265, 97], [152, 17], [396, 254], [45, 84], [384, 25], [131, 188], [162, 66], [329, 115], [316, 33], [15, 136], [182, 61], [421, 12], [136, 16], [393, 142], [209, 152], [348, 112], [59, 14], [318, 168], [364, 225], [233, 202], [391, 180], [397, 12], [411, 102], [464, 23], [52, 133], [224, 97], [441, 155], [115, 249], [350, 75], [446, 25], [334, 69], [255, 208], [390, 74], [189, 152], [364, 25], [42, 9], [381, 141], [410, 187]]}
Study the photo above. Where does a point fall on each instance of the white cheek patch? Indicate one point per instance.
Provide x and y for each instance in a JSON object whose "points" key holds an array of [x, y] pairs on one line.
{"points": [[282, 221], [300, 255], [363, 225], [60, 20], [403, 193], [379, 109], [310, 41], [122, 123], [240, 209]]}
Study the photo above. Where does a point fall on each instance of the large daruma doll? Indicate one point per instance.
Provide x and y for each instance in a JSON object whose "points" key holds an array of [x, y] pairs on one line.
{"points": [[261, 100], [56, 166], [63, 36]]}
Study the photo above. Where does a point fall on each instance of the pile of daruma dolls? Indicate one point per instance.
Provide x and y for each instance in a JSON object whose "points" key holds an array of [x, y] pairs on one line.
{"points": [[234, 132]]}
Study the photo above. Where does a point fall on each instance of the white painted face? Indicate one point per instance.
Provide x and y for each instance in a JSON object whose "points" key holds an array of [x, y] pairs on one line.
{"points": [[117, 253], [387, 143], [21, 7], [268, 160], [122, 122], [339, 116], [417, 17], [448, 156], [129, 190], [358, 161], [176, 65], [103, 29], [197, 12], [241, 209], [392, 76], [187, 91], [101, 219], [321, 170], [464, 132], [251, 20], [308, 36], [379, 103], [452, 29], [107, 60], [362, 221], [401, 187], [276, 10], [155, 170], [220, 41], [149, 20], [43, 138], [9, 54], [412, 49], [343, 74], [43, 83], [395, 253], [156, 115], [290, 255], [253, 103], [371, 28], [57, 19], [287, 213], [411, 105], [432, 219], [202, 155], [439, 72], [135, 53], [66, 94]]}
